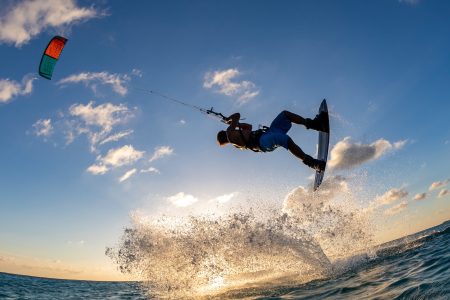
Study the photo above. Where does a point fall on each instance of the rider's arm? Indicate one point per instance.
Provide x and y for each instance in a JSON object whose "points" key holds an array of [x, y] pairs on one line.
{"points": [[233, 120], [245, 126]]}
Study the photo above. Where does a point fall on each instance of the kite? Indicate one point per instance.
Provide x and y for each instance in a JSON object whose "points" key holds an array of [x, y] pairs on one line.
{"points": [[51, 56]]}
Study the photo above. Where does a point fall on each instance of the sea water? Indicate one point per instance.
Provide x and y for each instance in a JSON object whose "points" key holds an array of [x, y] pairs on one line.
{"points": [[413, 267], [318, 245]]}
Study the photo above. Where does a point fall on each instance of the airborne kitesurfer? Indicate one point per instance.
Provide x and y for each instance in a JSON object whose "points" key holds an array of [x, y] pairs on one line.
{"points": [[268, 139]]}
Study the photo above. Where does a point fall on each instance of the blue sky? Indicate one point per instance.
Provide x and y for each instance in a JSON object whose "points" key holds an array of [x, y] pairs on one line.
{"points": [[68, 142]]}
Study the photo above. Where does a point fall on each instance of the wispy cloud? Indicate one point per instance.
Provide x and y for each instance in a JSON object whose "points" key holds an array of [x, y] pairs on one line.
{"points": [[97, 122], [439, 184], [150, 170], [118, 82], [122, 156], [396, 208], [136, 72], [26, 19], [347, 154], [9, 89], [182, 200], [161, 152], [391, 196], [104, 116], [224, 198], [420, 196], [97, 169], [127, 175], [224, 82], [43, 127], [443, 193], [338, 117], [116, 137]]}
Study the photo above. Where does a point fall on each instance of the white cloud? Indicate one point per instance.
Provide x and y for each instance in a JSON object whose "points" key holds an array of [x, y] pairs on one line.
{"points": [[443, 193], [97, 122], [247, 95], [439, 184], [420, 196], [225, 83], [182, 200], [104, 116], [26, 19], [161, 152], [117, 136], [346, 154], [98, 169], [150, 170], [43, 127], [396, 209], [115, 158], [10, 88], [127, 175], [122, 156], [391, 196], [118, 82], [224, 198]]}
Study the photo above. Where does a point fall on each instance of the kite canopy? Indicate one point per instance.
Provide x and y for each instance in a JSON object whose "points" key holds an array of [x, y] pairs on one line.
{"points": [[51, 55]]}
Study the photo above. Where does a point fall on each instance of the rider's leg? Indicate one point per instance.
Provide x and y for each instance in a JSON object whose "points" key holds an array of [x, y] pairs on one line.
{"points": [[317, 123], [294, 118], [295, 149], [318, 165]]}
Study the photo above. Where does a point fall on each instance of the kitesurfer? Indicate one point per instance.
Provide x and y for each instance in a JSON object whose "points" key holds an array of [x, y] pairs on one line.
{"points": [[268, 139]]}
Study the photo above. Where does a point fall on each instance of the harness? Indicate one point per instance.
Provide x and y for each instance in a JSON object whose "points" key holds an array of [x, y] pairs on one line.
{"points": [[252, 143]]}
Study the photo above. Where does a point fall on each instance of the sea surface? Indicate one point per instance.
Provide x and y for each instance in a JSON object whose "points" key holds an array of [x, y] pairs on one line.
{"points": [[413, 267]]}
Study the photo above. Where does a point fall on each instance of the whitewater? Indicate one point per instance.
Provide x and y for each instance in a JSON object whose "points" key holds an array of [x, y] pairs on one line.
{"points": [[319, 245], [316, 236]]}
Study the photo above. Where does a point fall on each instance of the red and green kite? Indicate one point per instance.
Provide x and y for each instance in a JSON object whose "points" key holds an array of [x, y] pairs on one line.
{"points": [[51, 55]]}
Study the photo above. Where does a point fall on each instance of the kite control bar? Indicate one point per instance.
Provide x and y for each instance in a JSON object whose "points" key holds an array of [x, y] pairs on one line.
{"points": [[218, 115]]}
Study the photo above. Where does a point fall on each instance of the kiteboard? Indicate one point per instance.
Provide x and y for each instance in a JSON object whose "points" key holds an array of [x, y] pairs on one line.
{"points": [[324, 140]]}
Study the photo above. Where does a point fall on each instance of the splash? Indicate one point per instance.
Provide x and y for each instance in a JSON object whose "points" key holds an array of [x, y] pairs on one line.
{"points": [[207, 255], [333, 216]]}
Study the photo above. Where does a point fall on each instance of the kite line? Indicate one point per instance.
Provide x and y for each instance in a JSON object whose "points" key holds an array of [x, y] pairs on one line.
{"points": [[210, 111]]}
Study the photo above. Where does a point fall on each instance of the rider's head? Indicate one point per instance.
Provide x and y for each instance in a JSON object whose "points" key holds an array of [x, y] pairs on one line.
{"points": [[222, 138]]}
